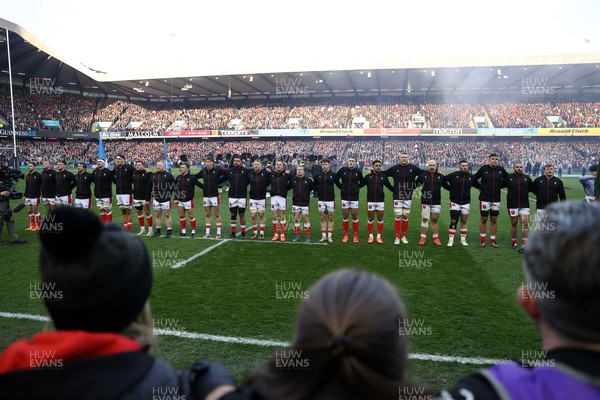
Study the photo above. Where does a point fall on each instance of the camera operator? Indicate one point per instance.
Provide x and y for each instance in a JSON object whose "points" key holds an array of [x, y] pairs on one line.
{"points": [[6, 193]]}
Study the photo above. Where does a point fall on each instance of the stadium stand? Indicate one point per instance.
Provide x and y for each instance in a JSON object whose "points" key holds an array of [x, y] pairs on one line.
{"points": [[78, 113], [571, 154]]}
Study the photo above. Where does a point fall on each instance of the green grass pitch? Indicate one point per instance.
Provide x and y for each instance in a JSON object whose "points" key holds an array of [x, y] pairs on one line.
{"points": [[463, 298]]}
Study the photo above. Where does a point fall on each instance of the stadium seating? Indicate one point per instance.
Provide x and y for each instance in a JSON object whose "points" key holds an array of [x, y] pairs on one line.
{"points": [[570, 154], [79, 113]]}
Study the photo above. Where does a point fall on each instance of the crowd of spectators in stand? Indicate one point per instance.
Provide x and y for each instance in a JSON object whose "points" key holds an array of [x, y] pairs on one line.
{"points": [[51, 150], [585, 114], [569, 155], [73, 112], [108, 110], [519, 115], [386, 114], [449, 115], [79, 113]]}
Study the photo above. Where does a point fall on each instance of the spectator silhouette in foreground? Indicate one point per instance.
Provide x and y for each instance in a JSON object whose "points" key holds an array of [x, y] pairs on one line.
{"points": [[95, 282], [561, 265]]}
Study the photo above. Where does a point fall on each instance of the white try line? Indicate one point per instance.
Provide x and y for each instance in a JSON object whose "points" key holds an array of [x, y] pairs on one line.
{"points": [[203, 252], [273, 343]]}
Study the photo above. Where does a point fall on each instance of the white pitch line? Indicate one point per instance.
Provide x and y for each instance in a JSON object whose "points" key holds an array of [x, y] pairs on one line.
{"points": [[218, 338], [203, 252], [273, 343], [454, 359], [23, 316]]}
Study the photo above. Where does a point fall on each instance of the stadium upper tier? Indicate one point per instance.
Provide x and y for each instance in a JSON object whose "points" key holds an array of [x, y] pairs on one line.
{"points": [[75, 113]]}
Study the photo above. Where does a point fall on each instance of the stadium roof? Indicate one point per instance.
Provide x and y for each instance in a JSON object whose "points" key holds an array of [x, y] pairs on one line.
{"points": [[517, 75]]}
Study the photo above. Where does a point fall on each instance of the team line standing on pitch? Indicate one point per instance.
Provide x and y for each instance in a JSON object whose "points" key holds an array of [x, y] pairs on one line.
{"points": [[137, 187]]}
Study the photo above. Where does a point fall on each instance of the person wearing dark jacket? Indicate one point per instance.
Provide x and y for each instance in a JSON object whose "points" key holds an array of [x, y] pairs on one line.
{"points": [[102, 343], [65, 183], [518, 186], [258, 178], [301, 187], [103, 178], [459, 183], [184, 193], [83, 187], [488, 179], [405, 175], [123, 180], [163, 184], [237, 176], [548, 189], [431, 201], [324, 185], [212, 176], [142, 195], [31, 197], [375, 181], [48, 186], [280, 179]]}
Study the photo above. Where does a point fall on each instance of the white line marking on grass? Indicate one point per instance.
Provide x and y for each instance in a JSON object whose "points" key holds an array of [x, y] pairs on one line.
{"points": [[23, 316], [273, 343], [203, 252], [218, 338], [460, 360]]}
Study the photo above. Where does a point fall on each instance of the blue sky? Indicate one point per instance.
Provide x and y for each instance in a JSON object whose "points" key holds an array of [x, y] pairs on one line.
{"points": [[151, 39]]}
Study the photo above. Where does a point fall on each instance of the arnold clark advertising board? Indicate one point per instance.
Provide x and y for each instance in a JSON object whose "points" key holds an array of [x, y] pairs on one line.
{"points": [[569, 131]]}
